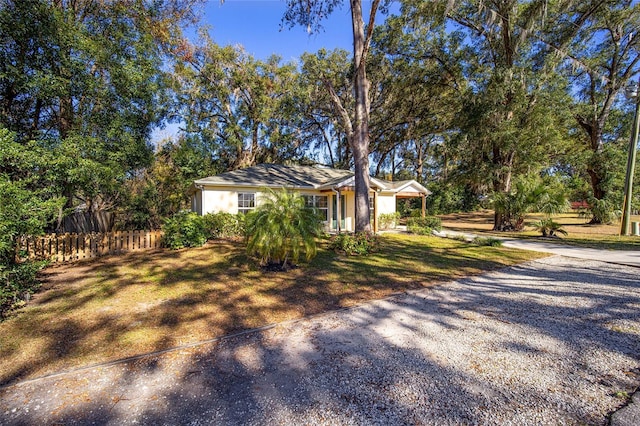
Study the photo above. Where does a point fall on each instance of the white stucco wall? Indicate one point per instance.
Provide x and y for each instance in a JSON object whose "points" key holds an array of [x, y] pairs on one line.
{"points": [[349, 221], [218, 200], [215, 200], [386, 203]]}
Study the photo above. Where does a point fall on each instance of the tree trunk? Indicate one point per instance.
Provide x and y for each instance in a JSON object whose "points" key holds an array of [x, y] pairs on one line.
{"points": [[420, 162], [360, 140], [502, 184], [596, 178], [499, 220]]}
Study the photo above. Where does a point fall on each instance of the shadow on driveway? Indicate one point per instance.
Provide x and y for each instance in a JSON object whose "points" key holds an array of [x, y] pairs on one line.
{"points": [[548, 342]]}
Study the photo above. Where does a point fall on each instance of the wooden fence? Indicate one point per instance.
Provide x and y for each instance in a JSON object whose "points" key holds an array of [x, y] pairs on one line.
{"points": [[71, 247]]}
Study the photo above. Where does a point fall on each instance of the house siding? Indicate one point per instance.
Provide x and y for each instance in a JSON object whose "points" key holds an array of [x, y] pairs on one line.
{"points": [[218, 200], [220, 193], [386, 204]]}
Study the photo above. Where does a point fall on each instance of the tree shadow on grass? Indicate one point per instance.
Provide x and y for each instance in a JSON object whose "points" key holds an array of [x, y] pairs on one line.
{"points": [[118, 307], [500, 347]]}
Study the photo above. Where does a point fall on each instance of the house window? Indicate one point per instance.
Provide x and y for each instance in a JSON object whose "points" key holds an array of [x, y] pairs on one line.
{"points": [[246, 202], [320, 203]]}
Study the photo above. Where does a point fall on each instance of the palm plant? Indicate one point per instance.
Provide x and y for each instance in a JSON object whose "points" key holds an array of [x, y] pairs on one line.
{"points": [[549, 228], [516, 204], [527, 196], [553, 202], [281, 228]]}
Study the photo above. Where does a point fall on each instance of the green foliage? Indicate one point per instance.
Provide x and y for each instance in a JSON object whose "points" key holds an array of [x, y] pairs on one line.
{"points": [[162, 189], [415, 213], [356, 244], [17, 283], [224, 225], [388, 220], [424, 225], [513, 206], [487, 241], [22, 212], [282, 228], [184, 229], [603, 211], [240, 108], [319, 128], [451, 197], [87, 84], [26, 208], [529, 194], [548, 228]]}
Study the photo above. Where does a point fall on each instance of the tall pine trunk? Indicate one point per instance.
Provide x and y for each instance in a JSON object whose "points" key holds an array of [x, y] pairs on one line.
{"points": [[360, 139]]}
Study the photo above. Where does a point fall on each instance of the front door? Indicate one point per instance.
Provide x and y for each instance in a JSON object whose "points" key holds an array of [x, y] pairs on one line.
{"points": [[334, 210]]}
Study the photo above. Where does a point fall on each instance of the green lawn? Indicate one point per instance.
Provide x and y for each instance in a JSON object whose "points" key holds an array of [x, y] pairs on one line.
{"points": [[580, 233], [122, 306]]}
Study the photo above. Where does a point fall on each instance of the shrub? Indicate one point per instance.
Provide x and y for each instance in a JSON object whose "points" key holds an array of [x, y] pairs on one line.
{"points": [[549, 228], [17, 282], [281, 228], [603, 211], [356, 244], [184, 229], [528, 194], [487, 241], [224, 225], [388, 220], [423, 225]]}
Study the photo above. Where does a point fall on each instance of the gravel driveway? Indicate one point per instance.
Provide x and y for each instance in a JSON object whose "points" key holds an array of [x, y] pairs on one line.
{"points": [[554, 341]]}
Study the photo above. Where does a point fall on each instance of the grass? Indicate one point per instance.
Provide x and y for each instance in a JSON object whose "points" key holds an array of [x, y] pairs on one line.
{"points": [[580, 233], [122, 306]]}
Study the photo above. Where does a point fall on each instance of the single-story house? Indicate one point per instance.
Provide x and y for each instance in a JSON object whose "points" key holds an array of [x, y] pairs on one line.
{"points": [[331, 191]]}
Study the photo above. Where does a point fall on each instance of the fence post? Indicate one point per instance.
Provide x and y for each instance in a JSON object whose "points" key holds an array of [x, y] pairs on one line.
{"points": [[67, 247]]}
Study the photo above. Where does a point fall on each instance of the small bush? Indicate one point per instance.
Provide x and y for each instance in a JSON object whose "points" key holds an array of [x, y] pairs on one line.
{"points": [[423, 225], [549, 228], [603, 211], [17, 283], [487, 241], [357, 244], [388, 220], [224, 225], [184, 229]]}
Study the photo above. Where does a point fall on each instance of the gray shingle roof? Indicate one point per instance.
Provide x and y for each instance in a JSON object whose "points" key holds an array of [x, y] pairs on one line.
{"points": [[277, 175]]}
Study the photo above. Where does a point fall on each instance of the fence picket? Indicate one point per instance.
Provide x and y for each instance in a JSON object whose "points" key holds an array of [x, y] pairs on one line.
{"points": [[70, 247]]}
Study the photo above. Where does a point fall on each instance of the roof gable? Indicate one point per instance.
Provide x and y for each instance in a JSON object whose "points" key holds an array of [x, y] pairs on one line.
{"points": [[407, 186]]}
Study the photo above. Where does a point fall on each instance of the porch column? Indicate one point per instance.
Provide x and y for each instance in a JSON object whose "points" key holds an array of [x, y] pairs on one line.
{"points": [[424, 204], [339, 212]]}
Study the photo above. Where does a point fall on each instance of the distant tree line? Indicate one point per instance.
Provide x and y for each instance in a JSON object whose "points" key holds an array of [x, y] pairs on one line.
{"points": [[468, 97]]}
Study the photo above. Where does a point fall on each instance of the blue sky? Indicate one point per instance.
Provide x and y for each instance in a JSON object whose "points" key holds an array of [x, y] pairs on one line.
{"points": [[256, 25]]}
